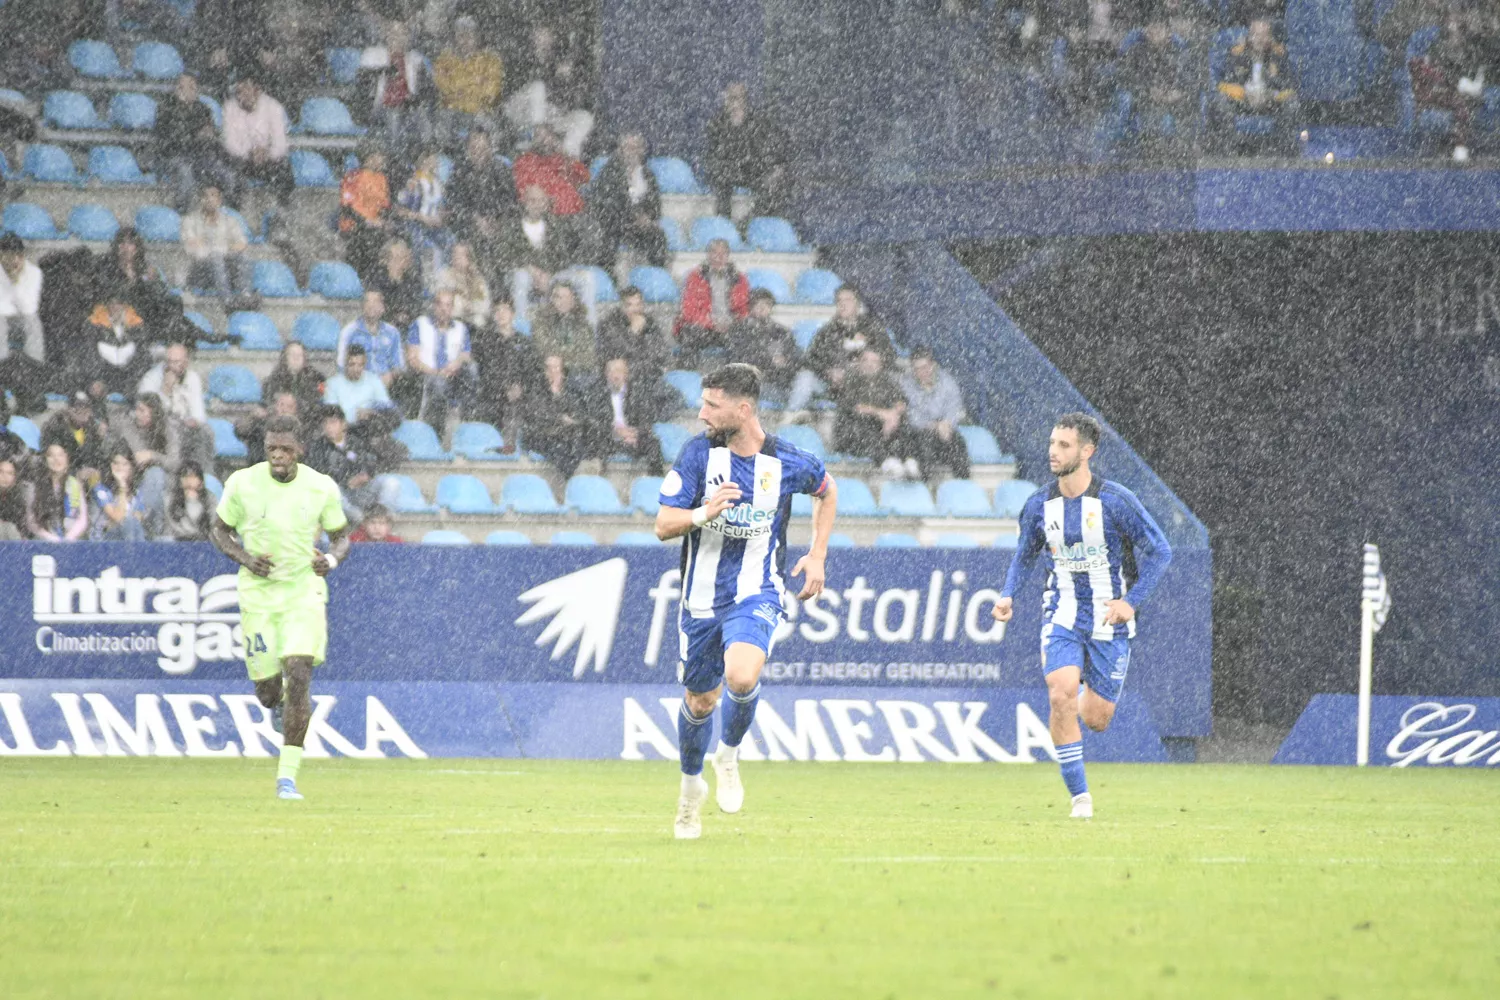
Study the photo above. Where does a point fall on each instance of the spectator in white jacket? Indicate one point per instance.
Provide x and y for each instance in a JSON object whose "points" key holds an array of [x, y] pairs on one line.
{"points": [[181, 390], [255, 142], [22, 372]]}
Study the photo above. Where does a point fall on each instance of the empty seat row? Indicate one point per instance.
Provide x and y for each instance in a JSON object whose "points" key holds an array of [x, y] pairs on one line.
{"points": [[97, 60], [766, 234]]}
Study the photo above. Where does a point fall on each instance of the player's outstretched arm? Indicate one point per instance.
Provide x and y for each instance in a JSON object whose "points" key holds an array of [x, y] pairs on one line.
{"points": [[222, 535], [814, 564], [674, 522]]}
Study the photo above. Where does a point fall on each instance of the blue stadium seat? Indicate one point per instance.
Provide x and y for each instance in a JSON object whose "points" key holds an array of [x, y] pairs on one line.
{"points": [[256, 331], [206, 325], [27, 430], [983, 449], [233, 384], [445, 536], [673, 176], [525, 493], [804, 437], [689, 386], [839, 540], [771, 281], [214, 485], [582, 538], [250, 234], [309, 169], [50, 164], [327, 116], [596, 167], [855, 500], [316, 331], [95, 61], [226, 444], [714, 227], [592, 495], [645, 492], [28, 221], [93, 222], [955, 540], [673, 230], [68, 109], [214, 108], [507, 537], [402, 495], [464, 494], [133, 111], [768, 234], [116, 165], [638, 539], [655, 283], [1011, 495], [816, 287], [479, 442], [157, 61], [343, 66], [334, 279], [604, 285], [275, 280], [421, 442], [896, 540], [907, 499], [804, 330], [158, 224], [963, 498], [672, 437]]}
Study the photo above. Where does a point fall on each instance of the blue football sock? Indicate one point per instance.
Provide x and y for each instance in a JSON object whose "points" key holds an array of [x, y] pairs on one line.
{"points": [[1070, 760], [693, 736], [739, 711]]}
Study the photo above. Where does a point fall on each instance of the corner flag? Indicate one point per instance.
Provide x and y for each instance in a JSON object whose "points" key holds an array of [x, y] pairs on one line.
{"points": [[1375, 593], [1374, 606]]}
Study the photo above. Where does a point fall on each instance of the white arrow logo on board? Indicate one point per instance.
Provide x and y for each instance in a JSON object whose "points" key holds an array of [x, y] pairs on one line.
{"points": [[584, 608]]}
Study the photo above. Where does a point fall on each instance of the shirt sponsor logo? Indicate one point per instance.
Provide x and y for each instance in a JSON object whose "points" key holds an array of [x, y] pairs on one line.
{"points": [[1079, 558]]}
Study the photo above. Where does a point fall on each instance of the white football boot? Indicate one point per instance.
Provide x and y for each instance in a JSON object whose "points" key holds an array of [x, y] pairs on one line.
{"points": [[728, 790], [689, 824], [1083, 806]]}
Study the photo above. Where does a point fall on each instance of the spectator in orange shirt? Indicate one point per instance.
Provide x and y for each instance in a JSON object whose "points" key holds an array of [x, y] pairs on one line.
{"points": [[364, 200], [554, 171]]}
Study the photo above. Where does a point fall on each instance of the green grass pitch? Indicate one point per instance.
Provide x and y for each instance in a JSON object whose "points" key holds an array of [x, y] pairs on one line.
{"points": [[142, 878]]}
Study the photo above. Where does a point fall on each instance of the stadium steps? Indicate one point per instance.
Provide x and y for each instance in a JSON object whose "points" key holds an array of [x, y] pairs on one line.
{"points": [[60, 199]]}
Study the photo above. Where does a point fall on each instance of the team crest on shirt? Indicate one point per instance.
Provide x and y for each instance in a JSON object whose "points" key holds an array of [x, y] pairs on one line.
{"points": [[765, 482], [1091, 520]]}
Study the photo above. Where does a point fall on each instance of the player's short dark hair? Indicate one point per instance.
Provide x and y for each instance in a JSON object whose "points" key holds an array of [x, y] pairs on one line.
{"points": [[284, 425], [735, 379], [1089, 431], [631, 292], [354, 349]]}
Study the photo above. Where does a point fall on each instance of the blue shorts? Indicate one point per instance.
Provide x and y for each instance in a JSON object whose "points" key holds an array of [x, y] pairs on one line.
{"points": [[1104, 662], [702, 641]]}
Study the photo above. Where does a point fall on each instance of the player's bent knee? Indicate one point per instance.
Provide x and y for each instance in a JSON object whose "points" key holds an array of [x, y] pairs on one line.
{"points": [[1063, 699], [700, 705], [1098, 720]]}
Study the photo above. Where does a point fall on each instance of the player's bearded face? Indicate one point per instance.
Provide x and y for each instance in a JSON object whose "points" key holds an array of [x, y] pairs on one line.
{"points": [[722, 426]]}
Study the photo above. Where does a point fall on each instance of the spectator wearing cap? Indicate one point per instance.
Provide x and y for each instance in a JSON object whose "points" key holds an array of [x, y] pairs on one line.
{"points": [[438, 349], [835, 348], [509, 369], [378, 526], [216, 244], [82, 431], [746, 148], [714, 296], [119, 341], [761, 341], [58, 510], [186, 143], [255, 142], [380, 341], [532, 248], [398, 81], [934, 411], [364, 204], [555, 91], [626, 203], [180, 387], [336, 454], [631, 333], [469, 80], [561, 327], [23, 371], [557, 172]]}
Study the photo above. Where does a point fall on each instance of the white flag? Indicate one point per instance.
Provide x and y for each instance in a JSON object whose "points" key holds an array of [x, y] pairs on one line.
{"points": [[1375, 593]]}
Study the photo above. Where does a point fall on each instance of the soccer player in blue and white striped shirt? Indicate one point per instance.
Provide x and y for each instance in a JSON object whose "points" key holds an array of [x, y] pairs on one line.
{"points": [[1106, 555], [729, 497]]}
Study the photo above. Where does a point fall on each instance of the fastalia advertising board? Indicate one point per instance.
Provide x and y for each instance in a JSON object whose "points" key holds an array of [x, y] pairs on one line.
{"points": [[579, 617]]}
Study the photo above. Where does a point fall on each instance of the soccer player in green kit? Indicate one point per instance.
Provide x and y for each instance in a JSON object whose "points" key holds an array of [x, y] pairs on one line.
{"points": [[279, 508]]}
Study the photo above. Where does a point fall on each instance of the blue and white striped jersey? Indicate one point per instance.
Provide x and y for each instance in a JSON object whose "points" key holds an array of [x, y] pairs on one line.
{"points": [[1100, 546], [740, 554]]}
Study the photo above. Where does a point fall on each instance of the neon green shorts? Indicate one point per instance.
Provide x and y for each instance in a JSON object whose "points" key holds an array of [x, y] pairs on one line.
{"points": [[272, 636]]}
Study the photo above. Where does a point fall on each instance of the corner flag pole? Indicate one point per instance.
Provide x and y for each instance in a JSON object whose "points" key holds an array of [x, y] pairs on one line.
{"points": [[1374, 605]]}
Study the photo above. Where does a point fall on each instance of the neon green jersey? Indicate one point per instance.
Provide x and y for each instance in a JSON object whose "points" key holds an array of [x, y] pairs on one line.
{"points": [[282, 521]]}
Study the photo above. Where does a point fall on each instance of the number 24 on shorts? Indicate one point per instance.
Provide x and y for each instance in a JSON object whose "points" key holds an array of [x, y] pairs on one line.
{"points": [[258, 644]]}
